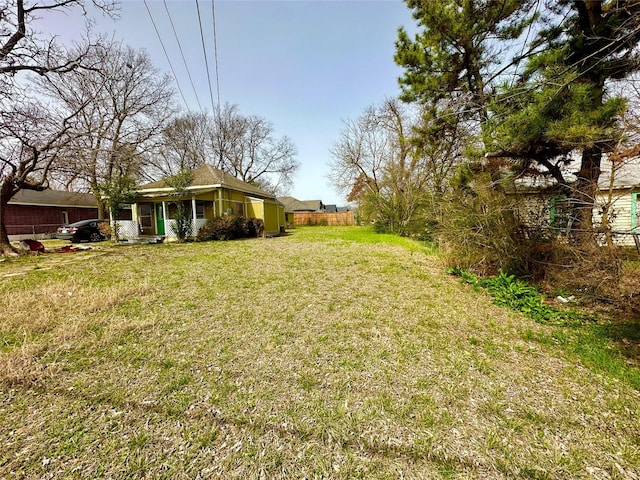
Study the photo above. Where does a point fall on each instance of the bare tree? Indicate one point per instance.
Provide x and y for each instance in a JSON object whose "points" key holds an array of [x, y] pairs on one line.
{"points": [[359, 156], [128, 104], [31, 139], [183, 145], [379, 164], [32, 134], [247, 148], [243, 146], [23, 49]]}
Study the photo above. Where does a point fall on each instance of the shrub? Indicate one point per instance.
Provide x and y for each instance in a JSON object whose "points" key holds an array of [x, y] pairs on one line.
{"points": [[183, 222], [483, 232], [105, 228], [229, 227], [480, 231], [380, 227], [589, 269], [255, 227]]}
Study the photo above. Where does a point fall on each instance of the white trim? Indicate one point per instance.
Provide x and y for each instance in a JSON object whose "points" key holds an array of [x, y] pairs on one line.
{"points": [[164, 217], [204, 189], [170, 189]]}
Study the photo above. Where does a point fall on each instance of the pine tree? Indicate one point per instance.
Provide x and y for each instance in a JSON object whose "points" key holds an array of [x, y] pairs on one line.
{"points": [[560, 108], [455, 55]]}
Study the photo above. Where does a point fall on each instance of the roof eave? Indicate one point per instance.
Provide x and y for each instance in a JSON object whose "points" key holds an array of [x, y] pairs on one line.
{"points": [[203, 188]]}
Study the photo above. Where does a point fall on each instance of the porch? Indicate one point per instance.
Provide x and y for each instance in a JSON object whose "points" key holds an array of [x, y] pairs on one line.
{"points": [[130, 229]]}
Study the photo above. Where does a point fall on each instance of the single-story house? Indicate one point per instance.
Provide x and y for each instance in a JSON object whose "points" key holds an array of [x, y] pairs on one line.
{"points": [[314, 212], [293, 205], [618, 196], [212, 193], [36, 214]]}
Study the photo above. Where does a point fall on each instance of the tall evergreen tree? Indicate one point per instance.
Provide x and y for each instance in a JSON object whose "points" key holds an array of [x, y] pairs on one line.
{"points": [[459, 52], [560, 107]]}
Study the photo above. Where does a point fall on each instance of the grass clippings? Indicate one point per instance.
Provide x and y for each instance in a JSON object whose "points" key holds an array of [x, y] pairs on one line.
{"points": [[328, 353]]}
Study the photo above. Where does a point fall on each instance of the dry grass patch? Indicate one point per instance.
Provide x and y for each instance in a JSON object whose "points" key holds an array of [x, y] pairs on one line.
{"points": [[324, 354]]}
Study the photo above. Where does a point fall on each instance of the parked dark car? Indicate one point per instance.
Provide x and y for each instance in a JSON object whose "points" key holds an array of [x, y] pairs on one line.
{"points": [[84, 230]]}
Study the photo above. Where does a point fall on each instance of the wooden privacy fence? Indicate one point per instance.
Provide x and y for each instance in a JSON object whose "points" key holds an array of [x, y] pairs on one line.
{"points": [[340, 218]]}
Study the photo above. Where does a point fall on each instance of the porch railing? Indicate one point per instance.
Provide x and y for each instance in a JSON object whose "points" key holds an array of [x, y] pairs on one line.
{"points": [[129, 229], [170, 227]]}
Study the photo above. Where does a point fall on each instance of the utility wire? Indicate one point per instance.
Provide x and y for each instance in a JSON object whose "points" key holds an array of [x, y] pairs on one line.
{"points": [[166, 55], [524, 44], [204, 50], [215, 50], [186, 66]]}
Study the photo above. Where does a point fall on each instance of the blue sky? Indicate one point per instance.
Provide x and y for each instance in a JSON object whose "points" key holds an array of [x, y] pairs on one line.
{"points": [[304, 65]]}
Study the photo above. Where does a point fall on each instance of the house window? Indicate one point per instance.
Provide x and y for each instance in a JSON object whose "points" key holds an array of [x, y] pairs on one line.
{"points": [[239, 209], [124, 213], [561, 214], [65, 217], [145, 215], [200, 209]]}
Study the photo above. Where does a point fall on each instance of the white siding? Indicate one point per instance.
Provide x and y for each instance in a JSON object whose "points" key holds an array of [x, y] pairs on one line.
{"points": [[535, 210], [619, 215]]}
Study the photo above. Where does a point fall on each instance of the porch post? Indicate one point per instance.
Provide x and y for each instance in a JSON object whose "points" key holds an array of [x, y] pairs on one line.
{"points": [[193, 217], [135, 217], [164, 218], [220, 202], [112, 224]]}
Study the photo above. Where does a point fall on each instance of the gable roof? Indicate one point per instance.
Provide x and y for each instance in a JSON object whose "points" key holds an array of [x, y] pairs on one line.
{"points": [[207, 177], [54, 198], [294, 205], [331, 208]]}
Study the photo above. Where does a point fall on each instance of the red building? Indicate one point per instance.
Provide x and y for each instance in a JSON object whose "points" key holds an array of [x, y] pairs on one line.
{"points": [[32, 214]]}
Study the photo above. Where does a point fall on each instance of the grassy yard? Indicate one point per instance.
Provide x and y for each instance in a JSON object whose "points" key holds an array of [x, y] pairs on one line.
{"points": [[328, 353]]}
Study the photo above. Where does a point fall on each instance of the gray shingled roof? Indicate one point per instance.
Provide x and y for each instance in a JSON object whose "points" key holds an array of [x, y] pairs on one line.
{"points": [[54, 198], [292, 204], [209, 176]]}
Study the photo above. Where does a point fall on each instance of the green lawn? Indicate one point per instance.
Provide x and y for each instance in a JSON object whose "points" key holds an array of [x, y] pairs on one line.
{"points": [[326, 353]]}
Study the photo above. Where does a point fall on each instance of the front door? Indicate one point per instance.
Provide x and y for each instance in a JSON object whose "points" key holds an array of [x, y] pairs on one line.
{"points": [[159, 219]]}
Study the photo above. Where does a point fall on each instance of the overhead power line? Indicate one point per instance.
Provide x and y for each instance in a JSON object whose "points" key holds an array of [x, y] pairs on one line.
{"points": [[204, 50], [166, 55], [186, 66], [215, 49]]}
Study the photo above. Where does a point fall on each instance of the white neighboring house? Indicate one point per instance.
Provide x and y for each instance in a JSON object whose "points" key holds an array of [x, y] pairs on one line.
{"points": [[618, 196]]}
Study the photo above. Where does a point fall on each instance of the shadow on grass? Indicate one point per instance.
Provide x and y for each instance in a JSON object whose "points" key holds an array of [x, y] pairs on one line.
{"points": [[626, 336], [613, 349]]}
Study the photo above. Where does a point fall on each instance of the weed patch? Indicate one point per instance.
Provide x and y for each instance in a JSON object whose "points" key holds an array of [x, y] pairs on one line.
{"points": [[509, 292]]}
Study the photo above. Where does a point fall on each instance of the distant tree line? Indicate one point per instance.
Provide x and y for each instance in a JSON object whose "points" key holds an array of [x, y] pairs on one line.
{"points": [[99, 116]]}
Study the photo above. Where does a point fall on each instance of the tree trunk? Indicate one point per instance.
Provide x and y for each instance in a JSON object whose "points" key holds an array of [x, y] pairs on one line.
{"points": [[6, 193], [585, 194], [102, 210]]}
